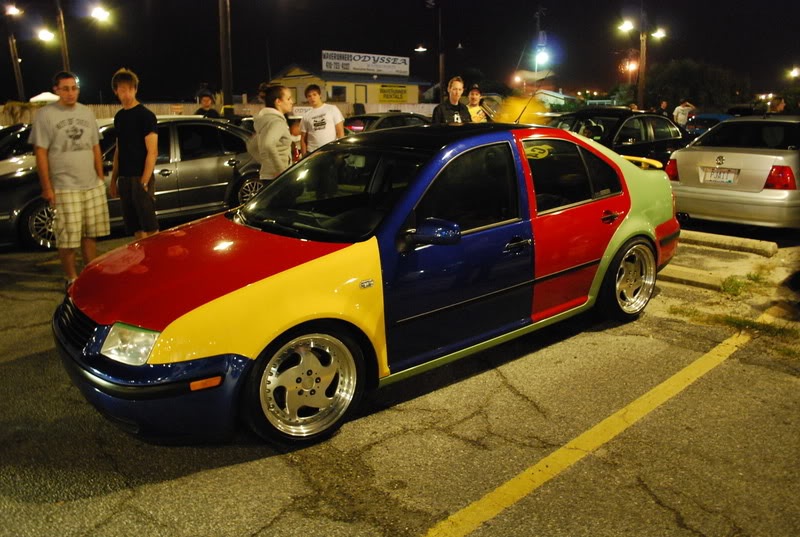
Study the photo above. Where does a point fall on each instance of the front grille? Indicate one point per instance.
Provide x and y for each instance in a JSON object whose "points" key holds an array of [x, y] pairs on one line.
{"points": [[75, 327]]}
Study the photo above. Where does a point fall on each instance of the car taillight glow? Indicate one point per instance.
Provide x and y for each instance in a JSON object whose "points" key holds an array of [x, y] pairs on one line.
{"points": [[672, 170], [781, 178]]}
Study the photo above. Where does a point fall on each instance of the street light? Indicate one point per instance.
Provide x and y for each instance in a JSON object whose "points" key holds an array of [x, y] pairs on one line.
{"points": [[627, 26], [12, 12], [794, 73]]}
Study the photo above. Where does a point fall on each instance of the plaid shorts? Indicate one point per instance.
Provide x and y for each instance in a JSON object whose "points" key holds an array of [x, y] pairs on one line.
{"points": [[80, 213]]}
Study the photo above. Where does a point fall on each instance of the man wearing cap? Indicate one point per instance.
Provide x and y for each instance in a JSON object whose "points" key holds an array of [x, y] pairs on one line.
{"points": [[474, 105]]}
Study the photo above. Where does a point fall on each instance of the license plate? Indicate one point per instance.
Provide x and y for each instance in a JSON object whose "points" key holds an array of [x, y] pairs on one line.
{"points": [[720, 176]]}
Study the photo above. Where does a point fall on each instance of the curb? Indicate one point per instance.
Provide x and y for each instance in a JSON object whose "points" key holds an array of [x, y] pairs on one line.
{"points": [[724, 242], [688, 276]]}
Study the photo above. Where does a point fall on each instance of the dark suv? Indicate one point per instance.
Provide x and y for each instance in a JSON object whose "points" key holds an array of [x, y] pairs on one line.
{"points": [[202, 167], [626, 131]]}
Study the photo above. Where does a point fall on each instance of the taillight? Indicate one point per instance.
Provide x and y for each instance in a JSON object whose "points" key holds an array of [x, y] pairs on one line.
{"points": [[781, 178], [672, 170]]}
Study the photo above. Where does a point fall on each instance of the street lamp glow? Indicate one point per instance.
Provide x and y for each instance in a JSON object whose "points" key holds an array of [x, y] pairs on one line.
{"points": [[542, 57], [626, 26], [659, 33], [420, 48], [632, 66], [46, 35], [100, 14], [794, 73], [13, 11]]}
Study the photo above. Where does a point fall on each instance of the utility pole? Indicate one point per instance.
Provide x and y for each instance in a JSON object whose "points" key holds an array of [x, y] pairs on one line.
{"points": [[62, 30], [642, 57], [225, 53]]}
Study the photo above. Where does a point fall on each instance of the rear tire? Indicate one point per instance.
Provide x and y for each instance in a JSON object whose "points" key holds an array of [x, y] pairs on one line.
{"points": [[36, 229], [629, 281], [304, 385]]}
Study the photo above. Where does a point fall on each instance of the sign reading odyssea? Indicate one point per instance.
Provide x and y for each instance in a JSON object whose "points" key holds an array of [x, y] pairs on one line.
{"points": [[358, 62]]}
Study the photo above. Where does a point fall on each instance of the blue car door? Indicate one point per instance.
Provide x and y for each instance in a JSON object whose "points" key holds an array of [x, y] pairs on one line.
{"points": [[441, 298]]}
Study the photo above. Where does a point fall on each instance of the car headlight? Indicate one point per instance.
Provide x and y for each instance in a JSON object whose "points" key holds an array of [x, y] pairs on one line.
{"points": [[129, 344]]}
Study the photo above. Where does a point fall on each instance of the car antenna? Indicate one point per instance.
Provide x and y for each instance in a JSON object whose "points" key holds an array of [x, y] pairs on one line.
{"points": [[516, 121]]}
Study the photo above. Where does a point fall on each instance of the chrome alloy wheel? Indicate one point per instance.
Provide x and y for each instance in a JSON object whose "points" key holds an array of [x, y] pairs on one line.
{"points": [[250, 187], [635, 279], [308, 385]]}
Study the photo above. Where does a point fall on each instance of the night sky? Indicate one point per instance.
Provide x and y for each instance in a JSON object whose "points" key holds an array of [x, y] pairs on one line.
{"points": [[174, 44]]}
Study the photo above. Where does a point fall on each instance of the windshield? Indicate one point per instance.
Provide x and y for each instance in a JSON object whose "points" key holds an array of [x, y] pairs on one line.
{"points": [[334, 195]]}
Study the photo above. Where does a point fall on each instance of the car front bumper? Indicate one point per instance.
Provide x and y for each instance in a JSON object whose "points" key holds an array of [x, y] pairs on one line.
{"points": [[154, 401]]}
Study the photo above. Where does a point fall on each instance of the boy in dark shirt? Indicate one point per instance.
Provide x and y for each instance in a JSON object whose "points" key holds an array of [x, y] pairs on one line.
{"points": [[452, 111], [135, 157]]}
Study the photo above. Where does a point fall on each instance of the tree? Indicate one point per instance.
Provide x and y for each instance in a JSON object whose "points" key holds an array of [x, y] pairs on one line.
{"points": [[705, 86]]}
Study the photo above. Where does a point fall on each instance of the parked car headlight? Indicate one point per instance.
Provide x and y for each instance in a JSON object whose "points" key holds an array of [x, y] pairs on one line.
{"points": [[129, 344]]}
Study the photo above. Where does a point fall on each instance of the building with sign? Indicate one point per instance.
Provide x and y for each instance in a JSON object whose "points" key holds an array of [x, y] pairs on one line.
{"points": [[355, 78]]}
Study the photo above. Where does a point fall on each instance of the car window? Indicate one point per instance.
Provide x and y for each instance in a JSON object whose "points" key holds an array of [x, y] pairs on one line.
{"points": [[163, 156], [199, 141], [603, 178], [663, 129], [560, 177], [108, 142], [476, 189], [633, 131], [753, 135], [232, 143], [414, 120], [393, 121], [14, 141]]}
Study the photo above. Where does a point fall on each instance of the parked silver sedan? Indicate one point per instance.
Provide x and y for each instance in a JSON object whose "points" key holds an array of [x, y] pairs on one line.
{"points": [[744, 170]]}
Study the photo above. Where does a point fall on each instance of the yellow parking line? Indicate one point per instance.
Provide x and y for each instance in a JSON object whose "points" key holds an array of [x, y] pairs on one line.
{"points": [[506, 495]]}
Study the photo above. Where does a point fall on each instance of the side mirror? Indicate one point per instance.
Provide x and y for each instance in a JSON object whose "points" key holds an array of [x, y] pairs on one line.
{"points": [[433, 231]]}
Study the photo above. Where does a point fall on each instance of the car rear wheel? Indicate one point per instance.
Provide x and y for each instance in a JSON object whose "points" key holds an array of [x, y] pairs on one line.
{"points": [[248, 187], [629, 282], [36, 226], [304, 386]]}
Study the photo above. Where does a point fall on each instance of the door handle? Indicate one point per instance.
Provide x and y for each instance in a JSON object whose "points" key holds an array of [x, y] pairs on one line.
{"points": [[516, 244], [609, 216], [164, 172], [231, 162]]}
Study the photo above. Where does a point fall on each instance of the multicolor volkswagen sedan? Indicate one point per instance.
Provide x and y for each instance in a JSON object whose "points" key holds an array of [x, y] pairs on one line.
{"points": [[380, 256]]}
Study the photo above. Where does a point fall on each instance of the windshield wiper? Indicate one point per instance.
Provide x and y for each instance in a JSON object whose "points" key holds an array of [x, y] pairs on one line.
{"points": [[271, 224]]}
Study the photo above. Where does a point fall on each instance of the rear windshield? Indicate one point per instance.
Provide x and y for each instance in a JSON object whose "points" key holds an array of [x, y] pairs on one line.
{"points": [[753, 135]]}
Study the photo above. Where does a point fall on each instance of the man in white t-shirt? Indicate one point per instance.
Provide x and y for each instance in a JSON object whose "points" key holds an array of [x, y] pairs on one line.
{"points": [[681, 112], [322, 124]]}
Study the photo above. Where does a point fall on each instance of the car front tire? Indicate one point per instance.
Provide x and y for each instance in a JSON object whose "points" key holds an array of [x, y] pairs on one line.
{"points": [[304, 385], [247, 188], [36, 226], [629, 282]]}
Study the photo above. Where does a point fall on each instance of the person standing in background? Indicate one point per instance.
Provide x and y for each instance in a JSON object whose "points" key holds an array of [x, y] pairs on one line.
{"points": [[67, 147], [452, 111], [272, 131], [207, 106], [135, 157], [681, 112], [476, 112], [322, 124]]}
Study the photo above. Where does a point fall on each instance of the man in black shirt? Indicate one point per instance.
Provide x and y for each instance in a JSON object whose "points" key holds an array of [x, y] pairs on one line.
{"points": [[452, 111], [134, 158], [207, 106]]}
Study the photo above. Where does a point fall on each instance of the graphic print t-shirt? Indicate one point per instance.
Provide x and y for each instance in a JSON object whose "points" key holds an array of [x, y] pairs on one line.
{"points": [[68, 134], [320, 124]]}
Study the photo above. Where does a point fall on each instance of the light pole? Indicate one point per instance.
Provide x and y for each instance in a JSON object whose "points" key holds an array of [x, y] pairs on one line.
{"points": [[11, 12], [627, 26]]}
